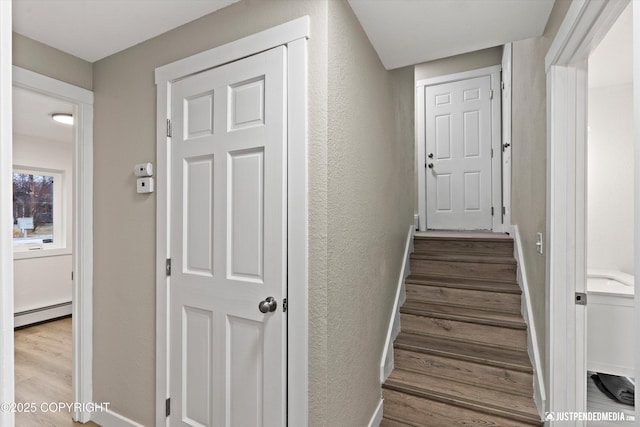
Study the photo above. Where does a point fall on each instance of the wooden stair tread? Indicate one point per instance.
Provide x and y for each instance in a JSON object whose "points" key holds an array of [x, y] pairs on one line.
{"points": [[386, 422], [517, 360], [462, 257], [463, 314], [462, 235], [464, 395], [465, 283]]}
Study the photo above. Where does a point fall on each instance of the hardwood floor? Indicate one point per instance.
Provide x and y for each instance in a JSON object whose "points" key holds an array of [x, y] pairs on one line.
{"points": [[43, 373]]}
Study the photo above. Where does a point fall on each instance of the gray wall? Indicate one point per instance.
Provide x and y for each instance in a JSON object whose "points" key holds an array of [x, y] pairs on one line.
{"points": [[459, 63], [124, 227], [529, 144], [54, 63], [370, 182]]}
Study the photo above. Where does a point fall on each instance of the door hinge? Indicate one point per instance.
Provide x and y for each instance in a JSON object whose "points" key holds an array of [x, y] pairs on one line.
{"points": [[167, 267], [504, 210], [284, 305], [491, 210], [502, 84], [169, 128], [581, 298], [167, 407], [492, 153], [490, 93], [72, 275]]}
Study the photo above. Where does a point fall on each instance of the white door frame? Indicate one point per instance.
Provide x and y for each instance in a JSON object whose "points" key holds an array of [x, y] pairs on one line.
{"points": [[82, 308], [505, 149], [7, 391], [293, 35], [585, 24], [496, 142]]}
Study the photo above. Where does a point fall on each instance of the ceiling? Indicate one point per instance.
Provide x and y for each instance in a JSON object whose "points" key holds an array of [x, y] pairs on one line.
{"points": [[32, 116], [407, 32], [94, 29], [403, 32], [611, 63]]}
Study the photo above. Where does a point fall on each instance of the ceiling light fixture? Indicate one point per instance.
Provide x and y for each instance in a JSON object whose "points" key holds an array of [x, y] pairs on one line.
{"points": [[65, 118]]}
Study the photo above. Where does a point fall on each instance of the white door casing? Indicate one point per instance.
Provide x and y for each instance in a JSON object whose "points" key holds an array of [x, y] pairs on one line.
{"points": [[506, 133], [458, 123], [458, 146], [228, 226]]}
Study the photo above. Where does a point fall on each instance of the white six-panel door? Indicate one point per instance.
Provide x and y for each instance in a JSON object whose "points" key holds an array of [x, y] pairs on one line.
{"points": [[458, 155], [228, 245]]}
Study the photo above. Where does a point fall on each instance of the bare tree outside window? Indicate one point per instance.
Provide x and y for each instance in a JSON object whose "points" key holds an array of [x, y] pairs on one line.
{"points": [[33, 198]]}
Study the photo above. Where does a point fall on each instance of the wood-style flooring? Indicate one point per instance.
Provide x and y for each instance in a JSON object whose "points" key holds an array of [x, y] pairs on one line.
{"points": [[43, 373]]}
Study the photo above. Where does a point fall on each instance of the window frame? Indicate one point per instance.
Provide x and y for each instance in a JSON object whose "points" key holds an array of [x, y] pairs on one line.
{"points": [[59, 244]]}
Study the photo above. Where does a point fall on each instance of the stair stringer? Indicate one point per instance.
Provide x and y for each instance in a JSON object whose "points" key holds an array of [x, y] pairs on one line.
{"points": [[386, 363], [539, 393]]}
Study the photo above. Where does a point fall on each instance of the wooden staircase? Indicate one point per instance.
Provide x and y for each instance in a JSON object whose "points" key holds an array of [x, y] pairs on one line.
{"points": [[461, 357]]}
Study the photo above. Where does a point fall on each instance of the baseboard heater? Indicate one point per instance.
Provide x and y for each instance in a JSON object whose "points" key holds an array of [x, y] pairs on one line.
{"points": [[37, 315]]}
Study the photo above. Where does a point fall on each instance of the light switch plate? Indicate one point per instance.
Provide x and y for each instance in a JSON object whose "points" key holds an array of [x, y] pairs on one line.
{"points": [[143, 169], [144, 185]]}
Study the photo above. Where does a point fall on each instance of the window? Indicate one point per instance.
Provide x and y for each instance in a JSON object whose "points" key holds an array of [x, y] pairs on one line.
{"points": [[37, 209]]}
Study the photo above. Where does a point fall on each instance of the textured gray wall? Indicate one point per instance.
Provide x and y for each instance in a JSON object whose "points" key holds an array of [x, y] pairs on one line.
{"points": [[529, 157], [459, 63], [370, 206]]}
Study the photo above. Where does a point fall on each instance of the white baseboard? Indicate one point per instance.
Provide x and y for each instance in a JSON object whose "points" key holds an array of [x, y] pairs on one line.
{"points": [[29, 317], [539, 394], [386, 363], [109, 418], [376, 418]]}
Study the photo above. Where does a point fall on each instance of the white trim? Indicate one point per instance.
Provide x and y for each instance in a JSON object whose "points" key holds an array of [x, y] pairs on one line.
{"points": [[7, 392], [276, 36], [496, 141], [416, 221], [636, 165], [566, 62], [41, 315], [386, 362], [298, 226], [584, 25], [507, 56], [376, 418], [82, 100], [294, 34], [539, 391], [112, 419]]}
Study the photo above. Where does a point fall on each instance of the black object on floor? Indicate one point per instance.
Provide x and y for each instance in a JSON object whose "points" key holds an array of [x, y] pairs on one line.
{"points": [[615, 387]]}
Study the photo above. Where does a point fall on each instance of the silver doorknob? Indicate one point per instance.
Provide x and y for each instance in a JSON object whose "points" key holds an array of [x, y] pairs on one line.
{"points": [[430, 165], [267, 305], [430, 155]]}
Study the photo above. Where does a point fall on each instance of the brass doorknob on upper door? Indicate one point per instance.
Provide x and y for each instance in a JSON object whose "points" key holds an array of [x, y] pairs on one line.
{"points": [[268, 305]]}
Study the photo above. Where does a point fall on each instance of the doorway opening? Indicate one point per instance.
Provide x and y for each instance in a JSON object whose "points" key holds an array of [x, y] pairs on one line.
{"points": [[567, 61], [459, 159], [610, 221], [75, 231]]}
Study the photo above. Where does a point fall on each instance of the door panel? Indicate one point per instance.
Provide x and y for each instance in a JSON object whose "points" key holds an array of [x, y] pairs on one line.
{"points": [[228, 245], [458, 149]]}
